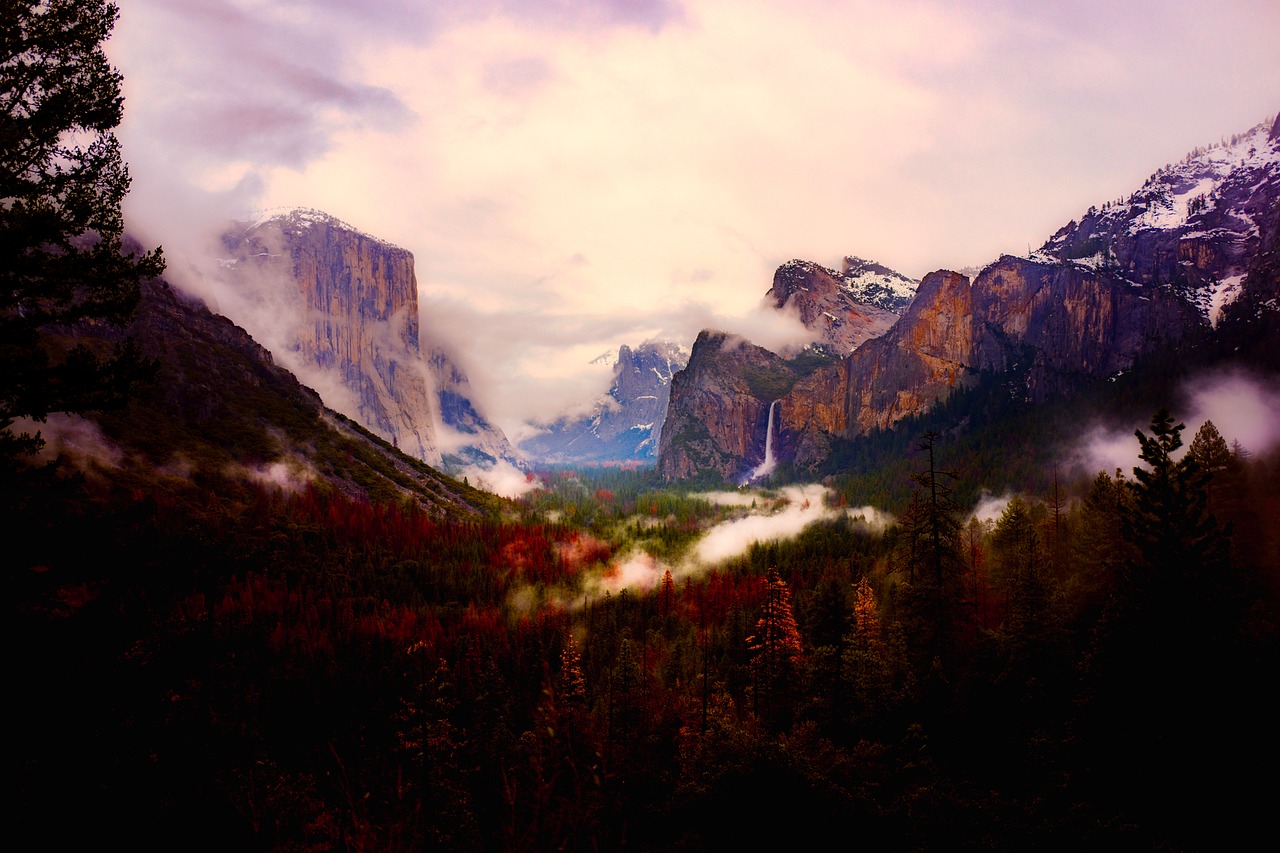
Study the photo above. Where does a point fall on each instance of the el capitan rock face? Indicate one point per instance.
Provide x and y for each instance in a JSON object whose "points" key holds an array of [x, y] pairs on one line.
{"points": [[352, 309], [218, 404]]}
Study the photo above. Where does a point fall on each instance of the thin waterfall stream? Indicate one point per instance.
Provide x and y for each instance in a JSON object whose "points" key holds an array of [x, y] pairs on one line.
{"points": [[766, 467]]}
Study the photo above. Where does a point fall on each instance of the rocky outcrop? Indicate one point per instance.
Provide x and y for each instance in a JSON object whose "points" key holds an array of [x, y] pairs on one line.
{"points": [[623, 426], [1193, 227], [844, 309], [1055, 324], [1200, 242], [348, 305], [717, 419]]}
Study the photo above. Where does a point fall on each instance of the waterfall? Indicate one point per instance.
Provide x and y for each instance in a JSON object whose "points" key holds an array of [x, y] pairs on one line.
{"points": [[766, 467]]}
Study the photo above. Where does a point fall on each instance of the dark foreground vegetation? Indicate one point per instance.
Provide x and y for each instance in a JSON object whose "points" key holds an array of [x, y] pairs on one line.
{"points": [[387, 660], [206, 662]]}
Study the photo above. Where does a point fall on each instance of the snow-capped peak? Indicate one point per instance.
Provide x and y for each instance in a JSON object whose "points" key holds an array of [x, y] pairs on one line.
{"points": [[875, 284], [607, 359], [306, 217]]}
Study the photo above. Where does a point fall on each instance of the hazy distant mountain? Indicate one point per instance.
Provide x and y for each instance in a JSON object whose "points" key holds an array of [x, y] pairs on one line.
{"points": [[1197, 246], [354, 320], [625, 424]]}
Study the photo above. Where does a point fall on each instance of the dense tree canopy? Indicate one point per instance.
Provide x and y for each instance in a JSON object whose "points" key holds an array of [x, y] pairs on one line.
{"points": [[62, 181]]}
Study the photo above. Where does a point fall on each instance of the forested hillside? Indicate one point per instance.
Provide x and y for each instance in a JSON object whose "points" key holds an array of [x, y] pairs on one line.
{"points": [[265, 669]]}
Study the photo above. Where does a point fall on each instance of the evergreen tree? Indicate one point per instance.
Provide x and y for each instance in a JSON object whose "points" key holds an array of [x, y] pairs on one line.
{"points": [[62, 181], [1166, 662], [1029, 624], [1168, 521], [974, 534], [1210, 450], [935, 598], [1099, 549], [776, 648], [571, 686], [866, 661], [940, 524], [1223, 470]]}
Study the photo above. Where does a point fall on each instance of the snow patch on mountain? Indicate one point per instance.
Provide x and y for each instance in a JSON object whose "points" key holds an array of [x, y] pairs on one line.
{"points": [[1223, 294], [306, 217], [874, 284]]}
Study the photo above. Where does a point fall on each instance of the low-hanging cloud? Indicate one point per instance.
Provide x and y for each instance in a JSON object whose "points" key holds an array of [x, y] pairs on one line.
{"points": [[290, 477], [72, 436], [871, 519], [534, 370], [801, 507], [502, 478], [550, 163], [770, 517], [1244, 408], [990, 507]]}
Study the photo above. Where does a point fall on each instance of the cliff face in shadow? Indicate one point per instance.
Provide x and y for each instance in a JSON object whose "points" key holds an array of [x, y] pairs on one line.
{"points": [[717, 418]]}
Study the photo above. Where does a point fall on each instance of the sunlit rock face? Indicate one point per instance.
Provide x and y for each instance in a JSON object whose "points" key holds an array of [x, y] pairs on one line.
{"points": [[925, 354], [717, 419], [1197, 246], [1056, 324], [348, 306]]}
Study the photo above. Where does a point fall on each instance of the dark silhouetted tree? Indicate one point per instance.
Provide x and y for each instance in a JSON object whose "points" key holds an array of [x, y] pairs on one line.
{"points": [[1168, 521], [935, 598], [62, 181], [1223, 471]]}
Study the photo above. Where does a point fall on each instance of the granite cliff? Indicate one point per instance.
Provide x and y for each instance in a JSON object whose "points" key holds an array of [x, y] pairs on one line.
{"points": [[717, 420], [349, 311], [846, 308], [1198, 245]]}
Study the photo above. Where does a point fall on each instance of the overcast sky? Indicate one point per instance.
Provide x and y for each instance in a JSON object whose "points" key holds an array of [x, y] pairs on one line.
{"points": [[571, 176]]}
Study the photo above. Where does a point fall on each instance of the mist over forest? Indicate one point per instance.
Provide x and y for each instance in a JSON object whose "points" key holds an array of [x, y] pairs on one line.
{"points": [[990, 563]]}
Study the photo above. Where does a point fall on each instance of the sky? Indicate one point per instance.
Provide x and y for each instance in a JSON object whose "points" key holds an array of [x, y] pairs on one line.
{"points": [[572, 176]]}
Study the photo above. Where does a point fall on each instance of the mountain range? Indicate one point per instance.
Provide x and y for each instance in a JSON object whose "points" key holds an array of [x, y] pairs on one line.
{"points": [[1193, 251], [1189, 257]]}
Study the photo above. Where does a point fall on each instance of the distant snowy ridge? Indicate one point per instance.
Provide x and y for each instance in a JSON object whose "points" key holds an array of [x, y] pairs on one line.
{"points": [[865, 282], [875, 284], [1190, 227]]}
